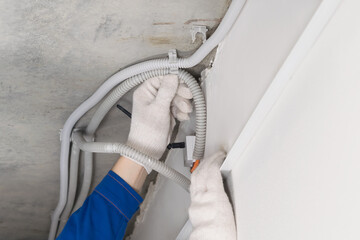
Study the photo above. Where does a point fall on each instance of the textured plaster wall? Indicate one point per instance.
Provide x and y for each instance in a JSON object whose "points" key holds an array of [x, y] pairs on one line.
{"points": [[53, 55]]}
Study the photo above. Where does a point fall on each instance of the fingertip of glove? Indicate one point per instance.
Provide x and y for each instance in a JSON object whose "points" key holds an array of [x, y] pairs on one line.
{"points": [[172, 77], [179, 115], [170, 81], [168, 87], [184, 91], [218, 158], [156, 82]]}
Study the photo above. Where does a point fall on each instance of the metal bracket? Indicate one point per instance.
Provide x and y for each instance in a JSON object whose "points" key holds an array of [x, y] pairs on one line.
{"points": [[173, 60], [195, 29]]}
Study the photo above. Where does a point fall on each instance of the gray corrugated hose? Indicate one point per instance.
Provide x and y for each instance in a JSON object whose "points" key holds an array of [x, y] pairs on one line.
{"points": [[131, 153], [112, 99], [224, 27]]}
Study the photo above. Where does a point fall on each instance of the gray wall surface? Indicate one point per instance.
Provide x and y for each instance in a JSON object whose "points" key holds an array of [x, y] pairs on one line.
{"points": [[53, 55]]}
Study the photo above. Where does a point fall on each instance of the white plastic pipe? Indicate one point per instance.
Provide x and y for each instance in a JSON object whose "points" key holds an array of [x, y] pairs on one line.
{"points": [[73, 179], [197, 57], [86, 183], [87, 178], [74, 165]]}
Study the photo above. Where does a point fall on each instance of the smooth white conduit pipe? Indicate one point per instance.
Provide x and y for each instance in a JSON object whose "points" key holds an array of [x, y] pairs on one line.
{"points": [[74, 167], [197, 57]]}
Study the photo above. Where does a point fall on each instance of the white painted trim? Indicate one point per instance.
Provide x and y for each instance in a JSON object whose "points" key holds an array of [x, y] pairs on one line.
{"points": [[308, 38]]}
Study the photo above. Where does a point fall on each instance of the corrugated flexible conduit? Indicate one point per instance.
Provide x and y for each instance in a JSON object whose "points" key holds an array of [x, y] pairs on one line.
{"points": [[129, 152], [224, 27], [104, 108]]}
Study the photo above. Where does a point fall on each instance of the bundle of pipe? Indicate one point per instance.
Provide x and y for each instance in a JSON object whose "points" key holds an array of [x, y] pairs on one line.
{"points": [[224, 27], [79, 143]]}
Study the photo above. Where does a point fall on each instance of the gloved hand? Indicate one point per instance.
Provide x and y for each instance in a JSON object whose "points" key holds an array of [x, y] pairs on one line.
{"points": [[181, 105], [210, 211], [152, 120]]}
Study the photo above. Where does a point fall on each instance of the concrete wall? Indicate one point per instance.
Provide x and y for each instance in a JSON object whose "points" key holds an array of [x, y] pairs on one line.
{"points": [[298, 178], [53, 55]]}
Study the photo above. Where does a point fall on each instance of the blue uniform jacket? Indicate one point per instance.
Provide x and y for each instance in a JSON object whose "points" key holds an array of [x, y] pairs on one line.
{"points": [[105, 213]]}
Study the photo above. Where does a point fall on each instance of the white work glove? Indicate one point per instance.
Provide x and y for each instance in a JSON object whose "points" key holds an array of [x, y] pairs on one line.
{"points": [[154, 104], [210, 212], [181, 105]]}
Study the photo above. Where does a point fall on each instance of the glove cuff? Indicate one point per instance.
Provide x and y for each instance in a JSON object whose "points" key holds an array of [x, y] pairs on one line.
{"points": [[147, 169], [147, 150]]}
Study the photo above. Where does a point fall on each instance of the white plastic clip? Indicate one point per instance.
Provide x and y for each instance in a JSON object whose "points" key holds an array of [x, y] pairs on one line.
{"points": [[195, 29], [173, 60]]}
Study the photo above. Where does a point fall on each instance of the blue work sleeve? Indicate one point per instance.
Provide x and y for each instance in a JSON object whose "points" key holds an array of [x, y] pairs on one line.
{"points": [[105, 213]]}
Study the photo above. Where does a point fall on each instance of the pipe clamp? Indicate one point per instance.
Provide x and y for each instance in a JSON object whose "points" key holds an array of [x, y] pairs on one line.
{"points": [[173, 60]]}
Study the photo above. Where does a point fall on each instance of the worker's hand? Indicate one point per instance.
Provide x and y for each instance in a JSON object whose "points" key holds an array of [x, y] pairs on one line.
{"points": [[181, 106], [210, 211], [152, 120]]}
